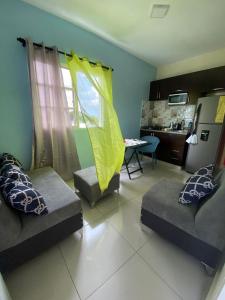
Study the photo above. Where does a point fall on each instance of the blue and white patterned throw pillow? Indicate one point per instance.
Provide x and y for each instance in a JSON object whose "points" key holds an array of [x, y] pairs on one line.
{"points": [[196, 189], [9, 159], [22, 197], [6, 184], [206, 171], [27, 200], [13, 172]]}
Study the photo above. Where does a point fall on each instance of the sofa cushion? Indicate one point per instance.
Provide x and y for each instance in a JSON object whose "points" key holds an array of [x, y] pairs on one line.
{"points": [[9, 159], [7, 167], [14, 172], [10, 225], [196, 189], [206, 171], [162, 200], [6, 184], [60, 199], [26, 199]]}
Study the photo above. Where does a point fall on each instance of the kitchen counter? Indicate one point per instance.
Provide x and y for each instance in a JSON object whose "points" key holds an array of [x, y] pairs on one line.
{"points": [[172, 147], [183, 132]]}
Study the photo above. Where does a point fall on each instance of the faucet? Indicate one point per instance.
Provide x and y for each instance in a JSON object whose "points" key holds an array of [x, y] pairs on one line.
{"points": [[182, 124]]}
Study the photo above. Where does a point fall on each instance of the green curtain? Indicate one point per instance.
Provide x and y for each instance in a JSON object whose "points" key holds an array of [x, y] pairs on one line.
{"points": [[104, 130]]}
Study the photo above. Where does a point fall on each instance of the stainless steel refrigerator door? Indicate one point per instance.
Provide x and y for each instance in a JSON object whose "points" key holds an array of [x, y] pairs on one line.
{"points": [[205, 151], [208, 109]]}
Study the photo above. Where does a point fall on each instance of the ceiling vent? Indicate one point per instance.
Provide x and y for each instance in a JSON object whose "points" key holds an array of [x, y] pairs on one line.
{"points": [[159, 10]]}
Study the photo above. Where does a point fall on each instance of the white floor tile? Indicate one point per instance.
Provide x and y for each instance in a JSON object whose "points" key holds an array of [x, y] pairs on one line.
{"points": [[109, 203], [180, 270], [43, 278], [141, 184], [137, 201], [127, 221], [94, 258], [90, 214], [134, 281]]}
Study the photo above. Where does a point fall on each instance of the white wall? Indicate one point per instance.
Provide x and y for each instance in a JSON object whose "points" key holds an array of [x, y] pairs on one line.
{"points": [[197, 63]]}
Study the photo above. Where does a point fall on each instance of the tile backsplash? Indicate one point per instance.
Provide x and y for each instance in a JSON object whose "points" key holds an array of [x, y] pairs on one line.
{"points": [[160, 113]]}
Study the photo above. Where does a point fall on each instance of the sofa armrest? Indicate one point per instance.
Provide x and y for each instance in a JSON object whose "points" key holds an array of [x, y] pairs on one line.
{"points": [[10, 225], [210, 220]]}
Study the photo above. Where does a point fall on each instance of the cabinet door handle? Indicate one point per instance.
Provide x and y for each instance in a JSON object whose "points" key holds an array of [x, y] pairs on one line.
{"points": [[174, 158]]}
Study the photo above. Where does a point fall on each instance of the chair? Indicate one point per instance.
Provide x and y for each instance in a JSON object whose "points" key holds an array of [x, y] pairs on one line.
{"points": [[151, 148]]}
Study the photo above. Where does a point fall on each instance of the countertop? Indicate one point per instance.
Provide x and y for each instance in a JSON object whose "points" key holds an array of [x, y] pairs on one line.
{"points": [[183, 132]]}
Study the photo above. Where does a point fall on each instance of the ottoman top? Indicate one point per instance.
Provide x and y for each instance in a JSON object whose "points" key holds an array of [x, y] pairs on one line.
{"points": [[88, 175]]}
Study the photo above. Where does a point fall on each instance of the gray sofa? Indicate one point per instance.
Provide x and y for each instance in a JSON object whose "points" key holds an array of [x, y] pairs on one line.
{"points": [[198, 230], [24, 236]]}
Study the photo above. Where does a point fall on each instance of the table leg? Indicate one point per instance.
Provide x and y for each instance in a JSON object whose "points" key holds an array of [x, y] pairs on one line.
{"points": [[138, 161], [127, 167], [128, 161]]}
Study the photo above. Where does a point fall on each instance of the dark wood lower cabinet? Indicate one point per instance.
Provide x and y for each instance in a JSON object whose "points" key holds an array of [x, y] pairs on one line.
{"points": [[172, 147]]}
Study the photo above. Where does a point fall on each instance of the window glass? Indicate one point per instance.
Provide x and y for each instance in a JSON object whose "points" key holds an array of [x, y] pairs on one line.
{"points": [[69, 97], [88, 98], [67, 78]]}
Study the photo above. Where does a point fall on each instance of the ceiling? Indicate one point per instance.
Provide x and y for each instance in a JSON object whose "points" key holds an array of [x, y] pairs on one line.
{"points": [[191, 27]]}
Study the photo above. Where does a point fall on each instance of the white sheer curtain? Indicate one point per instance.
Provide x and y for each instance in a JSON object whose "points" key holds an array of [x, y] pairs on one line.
{"points": [[53, 141]]}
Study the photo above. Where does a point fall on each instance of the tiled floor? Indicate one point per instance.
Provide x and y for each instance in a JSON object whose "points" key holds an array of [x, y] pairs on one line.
{"points": [[115, 259]]}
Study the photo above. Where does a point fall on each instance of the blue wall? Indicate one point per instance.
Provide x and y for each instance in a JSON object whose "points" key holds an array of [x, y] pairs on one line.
{"points": [[131, 76]]}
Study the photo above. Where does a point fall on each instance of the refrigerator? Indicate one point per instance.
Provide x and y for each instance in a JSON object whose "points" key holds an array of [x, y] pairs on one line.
{"points": [[208, 133]]}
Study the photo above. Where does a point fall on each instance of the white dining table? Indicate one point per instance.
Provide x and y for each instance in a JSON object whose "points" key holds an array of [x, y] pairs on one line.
{"points": [[134, 145]]}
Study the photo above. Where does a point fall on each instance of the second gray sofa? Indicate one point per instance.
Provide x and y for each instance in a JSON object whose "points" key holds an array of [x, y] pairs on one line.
{"points": [[198, 230]]}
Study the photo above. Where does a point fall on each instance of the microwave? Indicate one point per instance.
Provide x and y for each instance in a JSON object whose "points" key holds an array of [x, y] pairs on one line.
{"points": [[178, 98]]}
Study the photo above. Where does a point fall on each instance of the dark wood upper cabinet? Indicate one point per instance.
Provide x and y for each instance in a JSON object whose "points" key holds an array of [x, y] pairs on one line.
{"points": [[196, 84], [154, 90]]}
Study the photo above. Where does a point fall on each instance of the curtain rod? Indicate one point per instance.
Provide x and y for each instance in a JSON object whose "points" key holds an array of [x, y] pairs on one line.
{"points": [[23, 42]]}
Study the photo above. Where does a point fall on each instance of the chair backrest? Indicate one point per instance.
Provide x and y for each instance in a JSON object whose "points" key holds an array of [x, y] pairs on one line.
{"points": [[153, 140]]}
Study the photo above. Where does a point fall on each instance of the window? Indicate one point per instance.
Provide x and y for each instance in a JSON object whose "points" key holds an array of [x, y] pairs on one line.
{"points": [[69, 93], [89, 98]]}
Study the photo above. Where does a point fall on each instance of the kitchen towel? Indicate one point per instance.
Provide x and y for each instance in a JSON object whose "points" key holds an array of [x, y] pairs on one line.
{"points": [[220, 110], [193, 139]]}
